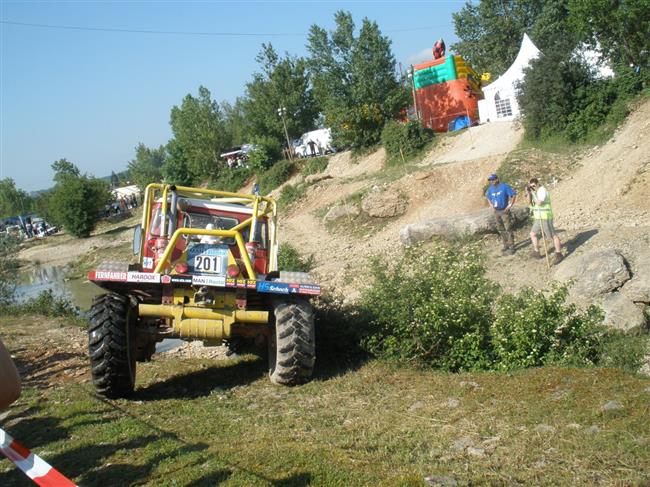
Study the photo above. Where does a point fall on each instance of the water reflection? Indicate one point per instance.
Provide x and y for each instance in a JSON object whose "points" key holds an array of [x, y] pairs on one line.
{"points": [[53, 278], [79, 291]]}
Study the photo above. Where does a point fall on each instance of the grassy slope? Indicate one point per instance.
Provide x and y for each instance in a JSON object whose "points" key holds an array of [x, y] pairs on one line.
{"points": [[200, 422]]}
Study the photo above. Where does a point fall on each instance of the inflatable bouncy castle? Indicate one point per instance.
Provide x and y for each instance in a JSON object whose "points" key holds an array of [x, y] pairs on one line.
{"points": [[447, 91]]}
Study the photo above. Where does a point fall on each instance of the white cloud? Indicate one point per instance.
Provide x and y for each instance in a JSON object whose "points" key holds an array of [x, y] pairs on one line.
{"points": [[421, 56]]}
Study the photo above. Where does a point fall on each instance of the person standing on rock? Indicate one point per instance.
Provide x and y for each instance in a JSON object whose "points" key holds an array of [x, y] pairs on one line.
{"points": [[540, 205], [501, 197]]}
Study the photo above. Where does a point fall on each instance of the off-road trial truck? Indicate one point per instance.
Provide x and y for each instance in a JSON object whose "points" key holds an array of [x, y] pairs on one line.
{"points": [[207, 270]]}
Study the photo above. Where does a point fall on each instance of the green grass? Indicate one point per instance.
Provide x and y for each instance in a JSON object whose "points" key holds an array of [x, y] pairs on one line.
{"points": [[204, 422]]}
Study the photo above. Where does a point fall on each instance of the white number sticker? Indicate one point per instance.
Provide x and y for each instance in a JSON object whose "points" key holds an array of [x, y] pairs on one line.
{"points": [[207, 263]]}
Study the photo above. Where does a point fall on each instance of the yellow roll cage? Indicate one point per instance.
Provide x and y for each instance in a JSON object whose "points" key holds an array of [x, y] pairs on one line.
{"points": [[262, 206]]}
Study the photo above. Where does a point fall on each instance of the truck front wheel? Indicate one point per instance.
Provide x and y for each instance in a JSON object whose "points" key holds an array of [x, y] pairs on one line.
{"points": [[292, 349], [111, 345]]}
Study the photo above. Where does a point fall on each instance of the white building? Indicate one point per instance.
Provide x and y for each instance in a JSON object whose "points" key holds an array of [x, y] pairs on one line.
{"points": [[500, 102]]}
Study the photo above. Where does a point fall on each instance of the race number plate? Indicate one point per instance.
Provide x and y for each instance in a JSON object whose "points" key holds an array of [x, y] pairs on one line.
{"points": [[207, 259]]}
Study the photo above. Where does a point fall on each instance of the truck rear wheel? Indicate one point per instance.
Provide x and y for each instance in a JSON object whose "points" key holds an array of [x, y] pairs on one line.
{"points": [[292, 350], [111, 345]]}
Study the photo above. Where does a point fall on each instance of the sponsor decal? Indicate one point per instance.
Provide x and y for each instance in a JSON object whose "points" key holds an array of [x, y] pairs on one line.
{"points": [[143, 277], [181, 279], [219, 281], [241, 283], [165, 279], [287, 288], [309, 289], [147, 263], [273, 287], [110, 276]]}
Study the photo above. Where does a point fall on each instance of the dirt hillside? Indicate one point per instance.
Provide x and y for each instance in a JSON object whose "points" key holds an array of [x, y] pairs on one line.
{"points": [[608, 188]]}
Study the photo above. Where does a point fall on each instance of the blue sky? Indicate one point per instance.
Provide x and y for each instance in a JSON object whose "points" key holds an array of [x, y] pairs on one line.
{"points": [[92, 96]]}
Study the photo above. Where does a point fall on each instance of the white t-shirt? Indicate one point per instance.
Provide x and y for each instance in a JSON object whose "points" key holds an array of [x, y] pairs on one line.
{"points": [[539, 196]]}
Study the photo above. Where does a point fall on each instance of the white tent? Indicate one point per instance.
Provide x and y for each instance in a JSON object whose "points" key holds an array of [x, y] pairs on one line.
{"points": [[126, 192], [500, 103]]}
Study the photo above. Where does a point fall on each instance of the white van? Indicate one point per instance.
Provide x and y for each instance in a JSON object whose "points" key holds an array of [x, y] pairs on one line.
{"points": [[322, 139]]}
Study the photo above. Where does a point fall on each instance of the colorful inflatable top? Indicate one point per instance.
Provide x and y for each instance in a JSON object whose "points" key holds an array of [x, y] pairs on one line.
{"points": [[446, 68]]}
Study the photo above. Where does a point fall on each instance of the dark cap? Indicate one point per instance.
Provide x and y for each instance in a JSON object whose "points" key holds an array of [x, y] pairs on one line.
{"points": [[492, 177]]}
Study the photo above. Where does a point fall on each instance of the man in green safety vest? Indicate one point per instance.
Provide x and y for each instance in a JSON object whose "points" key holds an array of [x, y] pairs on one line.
{"points": [[540, 205]]}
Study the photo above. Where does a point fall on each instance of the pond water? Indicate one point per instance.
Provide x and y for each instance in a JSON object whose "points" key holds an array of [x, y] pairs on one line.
{"points": [[79, 291]]}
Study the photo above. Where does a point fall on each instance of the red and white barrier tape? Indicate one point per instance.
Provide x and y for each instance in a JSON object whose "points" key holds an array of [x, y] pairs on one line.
{"points": [[37, 469]]}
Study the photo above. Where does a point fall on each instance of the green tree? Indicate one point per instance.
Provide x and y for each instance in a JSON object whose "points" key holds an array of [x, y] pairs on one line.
{"points": [[147, 166], [236, 121], [620, 28], [354, 80], [199, 135], [490, 32], [76, 200], [64, 168], [281, 82], [555, 86], [13, 201]]}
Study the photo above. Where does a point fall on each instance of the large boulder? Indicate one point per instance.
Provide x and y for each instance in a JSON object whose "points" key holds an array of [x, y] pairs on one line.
{"points": [[384, 204], [341, 211], [477, 223], [594, 273], [621, 313], [638, 288]]}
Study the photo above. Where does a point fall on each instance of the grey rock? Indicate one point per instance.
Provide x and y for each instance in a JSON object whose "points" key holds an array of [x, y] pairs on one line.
{"points": [[340, 211], [621, 313], [611, 406], [594, 273], [638, 288], [573, 426], [475, 452], [440, 481], [476, 223], [462, 443], [315, 178], [384, 204], [544, 428], [416, 406], [470, 384], [592, 430], [451, 403]]}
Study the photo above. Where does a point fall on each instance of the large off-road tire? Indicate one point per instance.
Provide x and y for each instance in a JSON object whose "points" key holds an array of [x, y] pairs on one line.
{"points": [[292, 345], [111, 345]]}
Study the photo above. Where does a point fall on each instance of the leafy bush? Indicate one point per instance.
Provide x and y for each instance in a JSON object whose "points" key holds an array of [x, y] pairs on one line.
{"points": [[45, 304], [8, 268], [289, 259], [532, 329], [432, 308], [267, 151], [275, 176], [291, 193], [436, 308], [623, 350], [404, 138], [315, 165], [230, 179]]}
